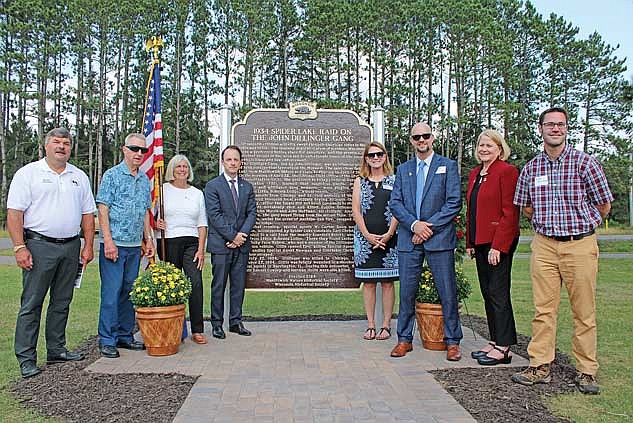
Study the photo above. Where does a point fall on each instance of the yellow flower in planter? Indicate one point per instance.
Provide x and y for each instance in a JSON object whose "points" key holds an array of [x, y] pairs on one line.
{"points": [[427, 293], [148, 292]]}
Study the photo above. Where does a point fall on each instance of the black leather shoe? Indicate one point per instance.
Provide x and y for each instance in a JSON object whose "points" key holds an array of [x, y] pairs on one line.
{"points": [[489, 361], [29, 369], [108, 351], [240, 329], [218, 332], [134, 345], [64, 357]]}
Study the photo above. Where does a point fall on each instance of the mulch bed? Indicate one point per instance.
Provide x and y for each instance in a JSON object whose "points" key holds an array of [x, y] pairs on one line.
{"points": [[66, 391], [490, 396]]}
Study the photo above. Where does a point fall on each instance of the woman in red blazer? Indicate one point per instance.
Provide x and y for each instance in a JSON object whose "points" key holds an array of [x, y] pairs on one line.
{"points": [[492, 234]]}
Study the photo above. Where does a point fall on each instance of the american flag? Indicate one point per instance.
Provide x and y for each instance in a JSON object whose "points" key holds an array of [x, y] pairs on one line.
{"points": [[153, 161]]}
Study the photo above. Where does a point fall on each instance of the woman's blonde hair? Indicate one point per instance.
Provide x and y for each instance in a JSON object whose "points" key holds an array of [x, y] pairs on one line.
{"points": [[364, 167], [169, 171], [497, 138]]}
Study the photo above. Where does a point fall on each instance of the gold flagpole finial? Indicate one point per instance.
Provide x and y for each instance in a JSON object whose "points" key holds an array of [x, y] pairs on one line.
{"points": [[154, 43]]}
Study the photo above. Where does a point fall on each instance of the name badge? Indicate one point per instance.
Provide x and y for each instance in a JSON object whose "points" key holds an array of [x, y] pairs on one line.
{"points": [[440, 170], [540, 181], [47, 181], [388, 187]]}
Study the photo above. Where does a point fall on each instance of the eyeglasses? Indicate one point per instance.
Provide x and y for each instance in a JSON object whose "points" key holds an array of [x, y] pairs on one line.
{"points": [[137, 148], [551, 125], [417, 137], [377, 154]]}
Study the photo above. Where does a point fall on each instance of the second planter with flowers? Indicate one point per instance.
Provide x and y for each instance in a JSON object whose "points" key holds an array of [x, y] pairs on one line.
{"points": [[159, 295], [428, 308]]}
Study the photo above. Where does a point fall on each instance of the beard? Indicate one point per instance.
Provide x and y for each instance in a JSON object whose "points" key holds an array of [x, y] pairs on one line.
{"points": [[423, 150]]}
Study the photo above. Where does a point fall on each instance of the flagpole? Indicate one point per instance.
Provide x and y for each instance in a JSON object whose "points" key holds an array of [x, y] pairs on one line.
{"points": [[155, 44]]}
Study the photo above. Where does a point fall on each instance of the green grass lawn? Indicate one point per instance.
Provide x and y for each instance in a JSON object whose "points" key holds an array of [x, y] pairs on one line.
{"points": [[614, 297]]}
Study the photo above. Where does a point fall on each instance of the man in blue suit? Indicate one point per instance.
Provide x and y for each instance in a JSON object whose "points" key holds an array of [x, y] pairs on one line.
{"points": [[231, 210], [425, 200]]}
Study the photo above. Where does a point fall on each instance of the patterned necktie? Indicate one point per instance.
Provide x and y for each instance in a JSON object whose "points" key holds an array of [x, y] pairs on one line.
{"points": [[234, 192], [419, 187]]}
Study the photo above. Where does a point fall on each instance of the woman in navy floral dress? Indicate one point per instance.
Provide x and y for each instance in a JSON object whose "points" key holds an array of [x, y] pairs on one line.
{"points": [[375, 253]]}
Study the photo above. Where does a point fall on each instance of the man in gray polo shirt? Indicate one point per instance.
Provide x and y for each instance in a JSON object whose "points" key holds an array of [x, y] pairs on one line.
{"points": [[49, 200]]}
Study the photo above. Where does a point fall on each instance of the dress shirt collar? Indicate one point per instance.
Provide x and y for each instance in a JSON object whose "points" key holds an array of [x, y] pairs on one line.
{"points": [[428, 160], [229, 179]]}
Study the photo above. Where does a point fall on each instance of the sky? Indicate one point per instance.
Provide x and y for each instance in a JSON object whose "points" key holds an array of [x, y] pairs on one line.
{"points": [[612, 19]]}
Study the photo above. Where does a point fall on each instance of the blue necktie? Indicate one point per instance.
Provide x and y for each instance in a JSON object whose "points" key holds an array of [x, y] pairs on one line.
{"points": [[419, 187]]}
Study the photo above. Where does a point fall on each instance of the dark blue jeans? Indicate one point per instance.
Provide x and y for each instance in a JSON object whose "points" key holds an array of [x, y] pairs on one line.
{"points": [[116, 316]]}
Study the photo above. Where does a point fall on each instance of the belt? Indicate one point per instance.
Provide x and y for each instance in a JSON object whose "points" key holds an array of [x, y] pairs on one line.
{"points": [[567, 238], [29, 234]]}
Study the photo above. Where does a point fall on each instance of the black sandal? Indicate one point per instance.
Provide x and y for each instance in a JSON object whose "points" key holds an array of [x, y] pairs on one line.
{"points": [[388, 330], [480, 353], [370, 334], [489, 361]]}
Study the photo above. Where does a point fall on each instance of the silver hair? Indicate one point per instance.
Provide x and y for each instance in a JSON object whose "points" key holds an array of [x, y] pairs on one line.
{"points": [[134, 135], [169, 171], [58, 133]]}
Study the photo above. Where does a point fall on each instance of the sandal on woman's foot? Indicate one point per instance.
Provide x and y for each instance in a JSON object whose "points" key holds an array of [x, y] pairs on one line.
{"points": [[370, 334], [199, 338], [382, 337]]}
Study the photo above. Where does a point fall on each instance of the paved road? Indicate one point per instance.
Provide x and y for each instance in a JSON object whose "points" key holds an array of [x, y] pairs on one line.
{"points": [[5, 244], [625, 237]]}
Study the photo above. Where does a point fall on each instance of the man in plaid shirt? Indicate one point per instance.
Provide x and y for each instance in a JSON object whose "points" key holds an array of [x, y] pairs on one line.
{"points": [[565, 194]]}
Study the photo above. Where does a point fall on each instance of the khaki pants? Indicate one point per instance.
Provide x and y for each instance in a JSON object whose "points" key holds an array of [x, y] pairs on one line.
{"points": [[576, 264]]}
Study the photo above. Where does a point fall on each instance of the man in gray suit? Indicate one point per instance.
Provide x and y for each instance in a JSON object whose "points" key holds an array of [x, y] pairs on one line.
{"points": [[425, 199], [231, 211]]}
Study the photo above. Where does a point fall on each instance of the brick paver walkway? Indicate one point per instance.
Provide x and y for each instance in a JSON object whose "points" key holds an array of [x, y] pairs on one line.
{"points": [[306, 372]]}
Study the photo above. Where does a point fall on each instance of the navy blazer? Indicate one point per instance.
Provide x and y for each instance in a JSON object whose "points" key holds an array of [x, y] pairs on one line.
{"points": [[223, 219], [441, 202]]}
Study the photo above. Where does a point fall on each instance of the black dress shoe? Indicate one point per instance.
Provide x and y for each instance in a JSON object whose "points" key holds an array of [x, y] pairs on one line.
{"points": [[108, 351], [133, 345], [489, 361], [64, 357], [29, 369], [218, 332], [240, 329]]}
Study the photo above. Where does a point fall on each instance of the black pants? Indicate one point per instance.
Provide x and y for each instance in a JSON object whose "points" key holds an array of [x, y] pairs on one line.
{"points": [[180, 252], [54, 268], [495, 288]]}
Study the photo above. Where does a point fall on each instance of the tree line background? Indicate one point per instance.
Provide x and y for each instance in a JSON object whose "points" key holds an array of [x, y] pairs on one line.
{"points": [[465, 65]]}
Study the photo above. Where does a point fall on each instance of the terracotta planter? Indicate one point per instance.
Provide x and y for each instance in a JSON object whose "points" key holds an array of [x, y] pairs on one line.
{"points": [[430, 325], [161, 328]]}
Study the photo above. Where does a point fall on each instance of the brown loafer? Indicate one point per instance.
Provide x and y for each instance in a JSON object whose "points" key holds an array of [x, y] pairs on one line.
{"points": [[452, 353], [199, 338], [401, 349]]}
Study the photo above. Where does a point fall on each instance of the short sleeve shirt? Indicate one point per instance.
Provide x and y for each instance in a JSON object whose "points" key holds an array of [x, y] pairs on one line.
{"points": [[563, 192], [128, 198], [53, 204]]}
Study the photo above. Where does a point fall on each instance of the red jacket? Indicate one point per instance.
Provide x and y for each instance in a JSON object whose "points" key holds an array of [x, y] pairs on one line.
{"points": [[497, 218]]}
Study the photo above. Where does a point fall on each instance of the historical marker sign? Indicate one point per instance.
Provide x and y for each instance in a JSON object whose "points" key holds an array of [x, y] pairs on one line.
{"points": [[302, 162]]}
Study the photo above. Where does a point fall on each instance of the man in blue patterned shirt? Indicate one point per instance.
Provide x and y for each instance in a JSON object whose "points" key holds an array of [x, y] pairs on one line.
{"points": [[564, 192], [124, 204]]}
